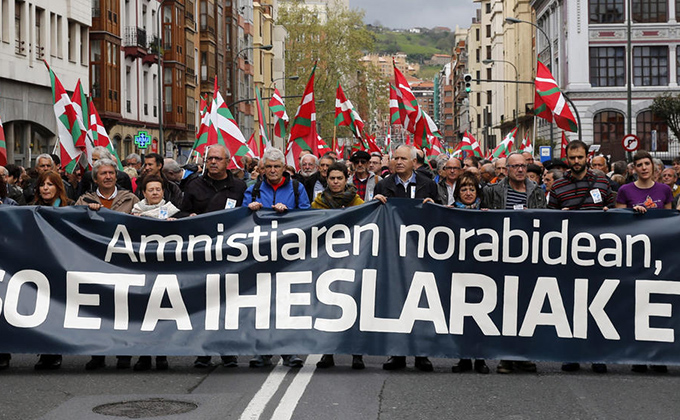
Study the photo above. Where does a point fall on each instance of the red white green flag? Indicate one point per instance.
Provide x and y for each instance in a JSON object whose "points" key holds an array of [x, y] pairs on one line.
{"points": [[345, 115], [228, 133], [277, 108], [548, 93], [322, 147], [504, 149], [71, 133], [471, 145], [435, 147], [3, 146], [395, 112], [262, 139], [388, 139], [526, 145], [206, 134], [303, 134], [409, 110], [339, 150], [98, 132], [563, 149], [80, 104]]}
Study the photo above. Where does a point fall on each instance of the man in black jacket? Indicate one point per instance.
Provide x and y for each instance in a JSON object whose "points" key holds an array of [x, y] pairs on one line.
{"points": [[406, 183], [217, 190]]}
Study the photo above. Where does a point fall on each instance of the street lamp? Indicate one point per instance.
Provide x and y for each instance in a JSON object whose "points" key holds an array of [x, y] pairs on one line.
{"points": [[234, 73], [512, 20], [490, 62], [293, 78]]}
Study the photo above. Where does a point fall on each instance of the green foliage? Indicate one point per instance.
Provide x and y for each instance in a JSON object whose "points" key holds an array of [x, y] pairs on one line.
{"points": [[337, 45], [418, 47], [667, 106]]}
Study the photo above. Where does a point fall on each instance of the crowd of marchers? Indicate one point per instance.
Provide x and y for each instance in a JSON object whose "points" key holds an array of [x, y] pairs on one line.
{"points": [[161, 188]]}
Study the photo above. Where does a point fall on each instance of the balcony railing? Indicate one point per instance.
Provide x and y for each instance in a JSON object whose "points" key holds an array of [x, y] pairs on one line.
{"points": [[135, 37]]}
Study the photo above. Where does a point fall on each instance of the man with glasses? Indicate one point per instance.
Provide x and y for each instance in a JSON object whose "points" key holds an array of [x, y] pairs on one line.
{"points": [[447, 185], [363, 179], [375, 163], [216, 190], [514, 192]]}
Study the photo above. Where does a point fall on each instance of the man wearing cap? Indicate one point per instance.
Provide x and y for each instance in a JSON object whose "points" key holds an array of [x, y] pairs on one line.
{"points": [[363, 179]]}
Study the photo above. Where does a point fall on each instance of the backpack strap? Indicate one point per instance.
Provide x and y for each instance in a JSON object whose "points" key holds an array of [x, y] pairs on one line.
{"points": [[256, 191], [296, 192]]}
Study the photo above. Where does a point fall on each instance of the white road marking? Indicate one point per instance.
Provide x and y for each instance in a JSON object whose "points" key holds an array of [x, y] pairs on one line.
{"points": [[297, 387]]}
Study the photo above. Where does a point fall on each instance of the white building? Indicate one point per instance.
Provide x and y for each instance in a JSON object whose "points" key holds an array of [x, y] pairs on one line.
{"points": [[32, 31], [590, 62]]}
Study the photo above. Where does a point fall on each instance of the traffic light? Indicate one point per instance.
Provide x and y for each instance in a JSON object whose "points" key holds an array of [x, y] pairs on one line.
{"points": [[468, 82]]}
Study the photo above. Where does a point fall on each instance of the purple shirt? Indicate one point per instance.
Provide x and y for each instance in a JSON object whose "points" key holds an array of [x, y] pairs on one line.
{"points": [[652, 198]]}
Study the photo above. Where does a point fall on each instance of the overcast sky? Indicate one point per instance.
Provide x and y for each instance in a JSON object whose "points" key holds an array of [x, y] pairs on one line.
{"points": [[403, 14]]}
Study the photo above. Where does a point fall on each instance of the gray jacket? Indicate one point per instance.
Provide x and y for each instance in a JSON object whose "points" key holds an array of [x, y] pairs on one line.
{"points": [[494, 195]]}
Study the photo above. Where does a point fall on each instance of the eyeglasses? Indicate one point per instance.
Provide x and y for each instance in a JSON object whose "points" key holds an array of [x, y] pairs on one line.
{"points": [[217, 158], [518, 166], [452, 168]]}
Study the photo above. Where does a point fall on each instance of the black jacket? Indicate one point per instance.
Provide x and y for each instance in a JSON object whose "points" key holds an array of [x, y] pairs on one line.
{"points": [[202, 196], [424, 188]]}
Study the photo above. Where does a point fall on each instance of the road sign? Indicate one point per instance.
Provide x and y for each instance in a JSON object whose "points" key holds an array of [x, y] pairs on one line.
{"points": [[630, 142], [544, 152]]}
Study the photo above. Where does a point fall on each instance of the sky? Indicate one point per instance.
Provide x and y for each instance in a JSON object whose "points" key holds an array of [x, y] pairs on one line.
{"points": [[404, 14]]}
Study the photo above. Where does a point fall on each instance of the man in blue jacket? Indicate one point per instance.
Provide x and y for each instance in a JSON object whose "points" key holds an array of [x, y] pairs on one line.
{"points": [[275, 189]]}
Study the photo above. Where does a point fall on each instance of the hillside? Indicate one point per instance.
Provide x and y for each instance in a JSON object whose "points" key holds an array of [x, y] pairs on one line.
{"points": [[418, 46]]}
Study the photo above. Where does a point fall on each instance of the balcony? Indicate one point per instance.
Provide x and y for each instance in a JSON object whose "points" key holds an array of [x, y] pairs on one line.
{"points": [[151, 55], [134, 42]]}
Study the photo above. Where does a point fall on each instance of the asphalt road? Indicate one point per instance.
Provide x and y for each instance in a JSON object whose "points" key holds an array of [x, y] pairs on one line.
{"points": [[281, 393]]}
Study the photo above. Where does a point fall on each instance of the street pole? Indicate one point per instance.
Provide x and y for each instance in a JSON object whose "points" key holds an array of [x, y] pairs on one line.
{"points": [[235, 74], [512, 20], [629, 86], [161, 110]]}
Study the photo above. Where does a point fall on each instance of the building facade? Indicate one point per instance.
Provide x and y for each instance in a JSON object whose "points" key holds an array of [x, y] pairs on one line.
{"points": [[32, 31], [598, 79]]}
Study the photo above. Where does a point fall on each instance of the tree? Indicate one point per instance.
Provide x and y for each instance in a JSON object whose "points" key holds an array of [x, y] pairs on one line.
{"points": [[338, 44], [667, 106]]}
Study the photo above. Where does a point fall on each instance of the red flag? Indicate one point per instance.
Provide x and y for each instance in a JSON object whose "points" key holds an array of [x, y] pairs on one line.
{"points": [[548, 93], [469, 143], [303, 134], [563, 152], [346, 115]]}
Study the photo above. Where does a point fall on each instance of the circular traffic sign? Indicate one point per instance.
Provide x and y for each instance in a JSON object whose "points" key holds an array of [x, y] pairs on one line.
{"points": [[630, 142]]}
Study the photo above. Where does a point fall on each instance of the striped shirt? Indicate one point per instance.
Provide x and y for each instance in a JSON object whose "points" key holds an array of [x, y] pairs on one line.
{"points": [[515, 198], [582, 194]]}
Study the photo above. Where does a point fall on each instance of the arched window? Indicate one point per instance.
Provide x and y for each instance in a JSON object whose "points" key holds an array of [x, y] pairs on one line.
{"points": [[648, 122], [608, 131]]}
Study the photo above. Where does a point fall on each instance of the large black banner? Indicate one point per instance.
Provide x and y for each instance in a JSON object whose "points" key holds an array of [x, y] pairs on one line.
{"points": [[401, 278]]}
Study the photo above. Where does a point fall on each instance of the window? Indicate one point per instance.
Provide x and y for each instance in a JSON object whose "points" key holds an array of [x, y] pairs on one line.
{"points": [[83, 45], [650, 66], [607, 66], [488, 8], [677, 9], [488, 97], [20, 44], [477, 33], [650, 11], [606, 11], [5, 20], [488, 52], [608, 130], [477, 54], [647, 123], [488, 31], [72, 41]]}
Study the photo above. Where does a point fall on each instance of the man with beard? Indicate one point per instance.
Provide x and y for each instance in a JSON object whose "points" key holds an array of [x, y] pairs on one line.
{"points": [[316, 183], [307, 167], [581, 189]]}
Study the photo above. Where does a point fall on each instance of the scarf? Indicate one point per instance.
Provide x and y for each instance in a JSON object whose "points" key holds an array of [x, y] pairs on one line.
{"points": [[474, 206], [338, 200]]}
